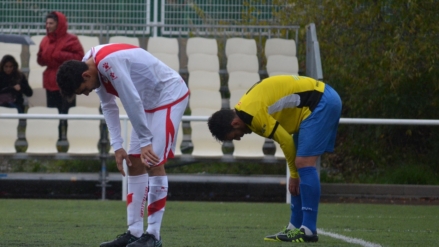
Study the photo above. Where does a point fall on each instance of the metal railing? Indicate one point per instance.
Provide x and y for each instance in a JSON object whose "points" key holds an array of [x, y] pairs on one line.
{"points": [[220, 32], [124, 119]]}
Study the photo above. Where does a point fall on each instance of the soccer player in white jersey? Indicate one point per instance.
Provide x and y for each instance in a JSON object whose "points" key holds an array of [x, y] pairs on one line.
{"points": [[155, 98]]}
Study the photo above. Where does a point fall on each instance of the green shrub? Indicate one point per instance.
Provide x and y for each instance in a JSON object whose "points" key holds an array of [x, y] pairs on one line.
{"points": [[381, 56]]}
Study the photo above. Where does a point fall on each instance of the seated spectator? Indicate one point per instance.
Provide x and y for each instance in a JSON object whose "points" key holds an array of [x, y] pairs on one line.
{"points": [[13, 84]]}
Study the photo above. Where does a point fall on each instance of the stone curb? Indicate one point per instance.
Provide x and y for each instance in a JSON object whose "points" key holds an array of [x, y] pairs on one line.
{"points": [[328, 190], [380, 190]]}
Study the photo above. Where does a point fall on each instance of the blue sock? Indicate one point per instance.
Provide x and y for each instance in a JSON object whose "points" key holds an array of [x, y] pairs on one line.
{"points": [[296, 211], [310, 193]]}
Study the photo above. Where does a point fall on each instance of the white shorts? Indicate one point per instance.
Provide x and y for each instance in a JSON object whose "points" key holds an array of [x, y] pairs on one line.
{"points": [[163, 123]]}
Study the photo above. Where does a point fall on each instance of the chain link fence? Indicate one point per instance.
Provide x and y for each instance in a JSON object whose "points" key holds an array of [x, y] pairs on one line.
{"points": [[133, 17]]}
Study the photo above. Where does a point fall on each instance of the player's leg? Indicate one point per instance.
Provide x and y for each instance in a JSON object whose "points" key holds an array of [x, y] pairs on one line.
{"points": [[158, 179], [296, 212], [296, 201], [157, 196], [294, 223], [296, 215], [137, 179], [309, 193], [309, 197], [316, 136], [307, 202], [164, 125], [137, 188]]}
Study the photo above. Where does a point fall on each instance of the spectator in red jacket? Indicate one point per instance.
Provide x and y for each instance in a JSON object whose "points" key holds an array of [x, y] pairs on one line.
{"points": [[57, 47]]}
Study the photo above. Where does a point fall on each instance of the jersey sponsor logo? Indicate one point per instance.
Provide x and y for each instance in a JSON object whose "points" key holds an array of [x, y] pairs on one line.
{"points": [[307, 209], [113, 76], [263, 129], [145, 197], [161, 189]]}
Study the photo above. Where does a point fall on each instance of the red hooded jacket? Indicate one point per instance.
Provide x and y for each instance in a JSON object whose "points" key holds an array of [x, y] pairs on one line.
{"points": [[56, 48]]}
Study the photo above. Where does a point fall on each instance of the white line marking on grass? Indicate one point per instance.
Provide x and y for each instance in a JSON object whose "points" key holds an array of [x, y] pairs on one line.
{"points": [[348, 239]]}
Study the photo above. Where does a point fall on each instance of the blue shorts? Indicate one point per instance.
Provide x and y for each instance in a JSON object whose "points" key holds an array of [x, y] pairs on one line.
{"points": [[317, 132]]}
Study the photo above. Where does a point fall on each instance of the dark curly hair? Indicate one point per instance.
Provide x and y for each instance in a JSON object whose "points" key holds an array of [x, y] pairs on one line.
{"points": [[220, 124], [69, 77], [16, 75]]}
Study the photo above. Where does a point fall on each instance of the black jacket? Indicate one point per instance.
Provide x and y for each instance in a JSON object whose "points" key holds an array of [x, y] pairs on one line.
{"points": [[7, 84]]}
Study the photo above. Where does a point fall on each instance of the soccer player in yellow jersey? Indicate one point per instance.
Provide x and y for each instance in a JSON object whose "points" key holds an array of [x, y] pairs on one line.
{"points": [[278, 107]]}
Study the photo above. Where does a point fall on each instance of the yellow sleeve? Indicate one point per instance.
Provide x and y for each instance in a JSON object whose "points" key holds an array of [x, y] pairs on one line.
{"points": [[265, 125], [286, 143]]}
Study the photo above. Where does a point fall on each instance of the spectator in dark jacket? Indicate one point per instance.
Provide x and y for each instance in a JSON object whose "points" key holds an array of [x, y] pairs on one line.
{"points": [[57, 47], [13, 84]]}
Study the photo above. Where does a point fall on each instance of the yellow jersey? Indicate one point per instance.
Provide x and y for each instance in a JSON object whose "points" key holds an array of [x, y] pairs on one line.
{"points": [[275, 107]]}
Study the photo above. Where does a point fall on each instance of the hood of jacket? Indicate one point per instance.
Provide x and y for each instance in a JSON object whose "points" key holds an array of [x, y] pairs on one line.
{"points": [[61, 28]]}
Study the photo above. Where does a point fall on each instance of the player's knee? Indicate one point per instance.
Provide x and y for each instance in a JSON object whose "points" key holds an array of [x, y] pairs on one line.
{"points": [[302, 162], [156, 170], [137, 167]]}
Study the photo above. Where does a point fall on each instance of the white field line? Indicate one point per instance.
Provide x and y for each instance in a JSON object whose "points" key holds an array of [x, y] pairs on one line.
{"points": [[347, 239]]}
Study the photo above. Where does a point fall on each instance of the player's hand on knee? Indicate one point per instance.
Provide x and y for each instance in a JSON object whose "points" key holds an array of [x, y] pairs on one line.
{"points": [[148, 157]]}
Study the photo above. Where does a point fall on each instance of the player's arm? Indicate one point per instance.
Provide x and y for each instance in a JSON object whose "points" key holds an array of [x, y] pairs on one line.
{"points": [[286, 143], [265, 125], [111, 114]]}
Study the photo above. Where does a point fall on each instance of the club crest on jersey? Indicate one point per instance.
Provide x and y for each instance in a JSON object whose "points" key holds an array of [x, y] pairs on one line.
{"points": [[113, 76], [106, 66]]}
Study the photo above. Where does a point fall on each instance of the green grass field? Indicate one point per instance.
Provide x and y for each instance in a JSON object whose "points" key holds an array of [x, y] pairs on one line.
{"points": [[214, 224]]}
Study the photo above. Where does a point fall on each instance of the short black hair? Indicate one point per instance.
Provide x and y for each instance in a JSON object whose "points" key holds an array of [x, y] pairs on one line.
{"points": [[220, 124], [52, 15], [69, 77]]}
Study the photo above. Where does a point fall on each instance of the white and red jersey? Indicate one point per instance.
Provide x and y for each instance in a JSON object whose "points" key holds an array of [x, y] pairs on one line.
{"points": [[140, 80]]}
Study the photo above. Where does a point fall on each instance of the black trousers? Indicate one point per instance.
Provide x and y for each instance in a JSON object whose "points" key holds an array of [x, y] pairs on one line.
{"points": [[56, 100]]}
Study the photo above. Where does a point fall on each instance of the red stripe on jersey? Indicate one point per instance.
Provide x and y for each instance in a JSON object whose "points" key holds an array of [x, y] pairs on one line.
{"points": [[129, 198], [168, 105], [156, 206], [171, 154], [108, 86], [102, 53], [108, 49]]}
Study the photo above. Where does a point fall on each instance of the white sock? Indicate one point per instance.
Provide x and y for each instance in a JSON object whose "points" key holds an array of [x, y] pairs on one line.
{"points": [[307, 230], [158, 192], [136, 199], [291, 226]]}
